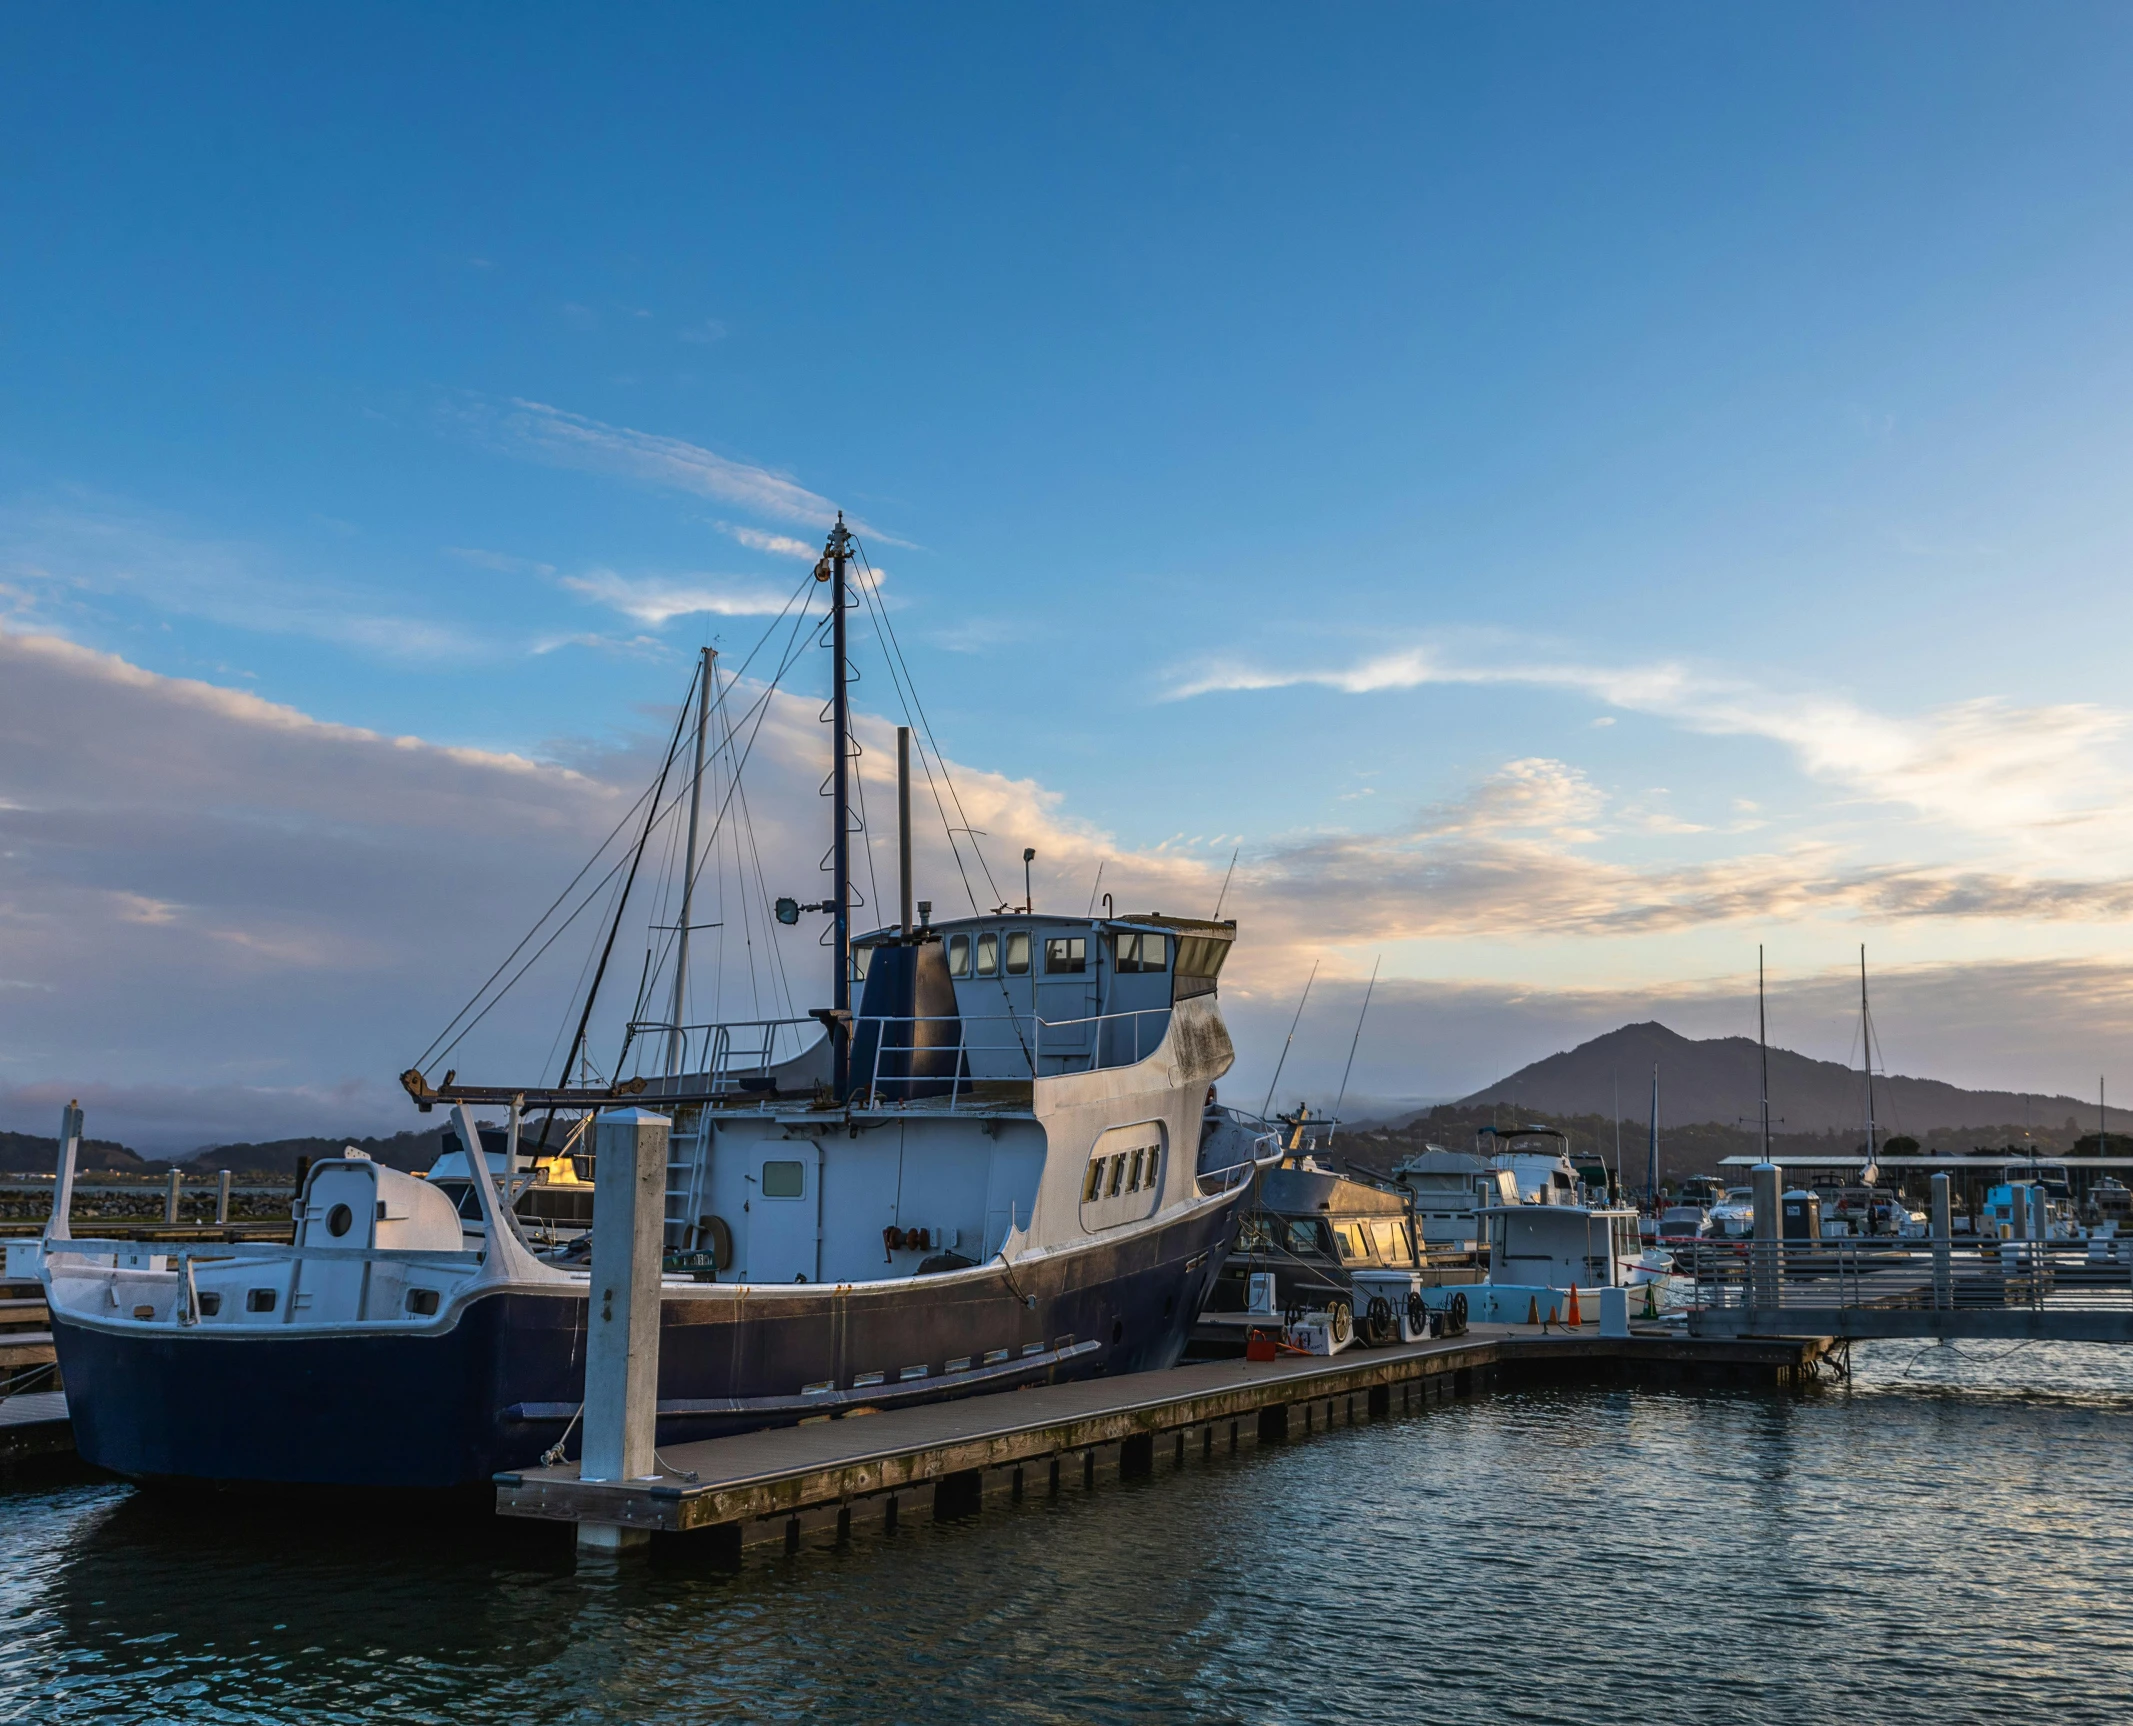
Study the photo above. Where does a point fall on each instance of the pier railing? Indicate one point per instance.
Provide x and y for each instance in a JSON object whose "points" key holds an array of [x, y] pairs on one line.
{"points": [[1891, 1285]]}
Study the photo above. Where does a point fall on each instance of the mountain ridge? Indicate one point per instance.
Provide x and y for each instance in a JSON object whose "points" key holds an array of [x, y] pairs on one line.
{"points": [[1718, 1079]]}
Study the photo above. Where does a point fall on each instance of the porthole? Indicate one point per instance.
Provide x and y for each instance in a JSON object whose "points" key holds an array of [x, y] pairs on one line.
{"points": [[339, 1221]]}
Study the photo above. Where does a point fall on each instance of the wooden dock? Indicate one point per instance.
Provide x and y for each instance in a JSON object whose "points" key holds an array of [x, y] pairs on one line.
{"points": [[944, 1459], [34, 1425]]}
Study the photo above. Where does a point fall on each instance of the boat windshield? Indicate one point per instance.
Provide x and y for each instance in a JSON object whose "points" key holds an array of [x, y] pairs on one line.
{"points": [[1307, 1235]]}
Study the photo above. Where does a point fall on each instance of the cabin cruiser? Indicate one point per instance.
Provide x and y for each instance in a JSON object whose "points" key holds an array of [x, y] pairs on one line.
{"points": [[1448, 1190], [1681, 1224], [1732, 1218], [1538, 1254], [1538, 1158], [1317, 1244], [978, 1168], [2008, 1212]]}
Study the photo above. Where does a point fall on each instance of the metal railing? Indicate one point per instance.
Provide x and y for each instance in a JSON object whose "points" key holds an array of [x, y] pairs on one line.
{"points": [[1907, 1273], [895, 1063]]}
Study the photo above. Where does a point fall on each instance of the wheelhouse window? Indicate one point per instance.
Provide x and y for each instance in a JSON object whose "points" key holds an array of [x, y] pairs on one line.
{"points": [[1141, 950], [1018, 952], [1394, 1245], [958, 955], [862, 957], [1306, 1236], [1199, 960], [1065, 954], [1353, 1240], [988, 954]]}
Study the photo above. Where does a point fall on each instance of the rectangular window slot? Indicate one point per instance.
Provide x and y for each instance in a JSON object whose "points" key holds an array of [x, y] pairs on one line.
{"points": [[914, 1372], [825, 1388], [868, 1380], [258, 1300], [994, 1356], [210, 1303], [422, 1302], [1033, 1348], [961, 1363]]}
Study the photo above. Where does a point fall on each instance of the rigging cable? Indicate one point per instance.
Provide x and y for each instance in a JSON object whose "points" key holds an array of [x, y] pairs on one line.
{"points": [[430, 1056]]}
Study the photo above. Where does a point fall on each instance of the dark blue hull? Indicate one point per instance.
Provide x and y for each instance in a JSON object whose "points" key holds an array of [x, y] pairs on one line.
{"points": [[490, 1394]]}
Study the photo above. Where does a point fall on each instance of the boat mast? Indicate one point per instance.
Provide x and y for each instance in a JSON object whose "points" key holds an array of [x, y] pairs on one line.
{"points": [[835, 555], [1866, 1050], [1762, 1043], [688, 867], [1651, 1153]]}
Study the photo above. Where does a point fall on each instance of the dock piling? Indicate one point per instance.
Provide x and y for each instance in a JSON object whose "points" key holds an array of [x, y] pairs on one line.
{"points": [[171, 1195], [1769, 1234], [622, 1318], [1943, 1237]]}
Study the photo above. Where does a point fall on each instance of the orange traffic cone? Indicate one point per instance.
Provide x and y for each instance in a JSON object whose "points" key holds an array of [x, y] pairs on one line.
{"points": [[1574, 1320], [1533, 1309]]}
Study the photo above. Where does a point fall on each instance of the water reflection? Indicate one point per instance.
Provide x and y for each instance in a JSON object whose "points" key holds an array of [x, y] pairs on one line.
{"points": [[1923, 1544]]}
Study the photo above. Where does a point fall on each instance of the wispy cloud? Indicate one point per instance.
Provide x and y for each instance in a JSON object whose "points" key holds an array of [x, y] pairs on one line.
{"points": [[539, 432], [778, 544], [1985, 763], [657, 600], [64, 565], [502, 562], [710, 330]]}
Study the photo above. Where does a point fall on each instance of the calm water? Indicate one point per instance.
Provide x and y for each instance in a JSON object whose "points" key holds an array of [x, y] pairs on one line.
{"points": [[1928, 1544]]}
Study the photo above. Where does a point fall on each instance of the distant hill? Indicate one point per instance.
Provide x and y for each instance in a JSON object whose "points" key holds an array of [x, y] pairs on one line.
{"points": [[27, 1154], [1717, 1079], [278, 1157]]}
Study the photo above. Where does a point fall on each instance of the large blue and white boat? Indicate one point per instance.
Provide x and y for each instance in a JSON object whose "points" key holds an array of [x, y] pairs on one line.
{"points": [[987, 1173]]}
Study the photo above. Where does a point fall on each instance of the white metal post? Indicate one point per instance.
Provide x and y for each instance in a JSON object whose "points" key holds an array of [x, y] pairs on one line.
{"points": [[1769, 1232], [222, 1198], [622, 1323], [170, 1197], [1943, 1230], [58, 1226]]}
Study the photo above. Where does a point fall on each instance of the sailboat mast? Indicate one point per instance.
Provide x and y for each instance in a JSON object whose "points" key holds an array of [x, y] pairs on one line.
{"points": [[1866, 1050], [1762, 1043], [688, 868], [840, 810], [1651, 1152]]}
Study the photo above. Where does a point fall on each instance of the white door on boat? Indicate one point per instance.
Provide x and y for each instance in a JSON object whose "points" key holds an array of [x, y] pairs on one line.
{"points": [[785, 1211], [1066, 1002]]}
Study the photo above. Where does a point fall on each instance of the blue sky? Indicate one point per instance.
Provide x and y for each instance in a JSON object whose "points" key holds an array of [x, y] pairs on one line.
{"points": [[1570, 492]]}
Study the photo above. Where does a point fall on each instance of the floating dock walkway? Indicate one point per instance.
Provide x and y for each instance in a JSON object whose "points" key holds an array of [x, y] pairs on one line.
{"points": [[776, 1486]]}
